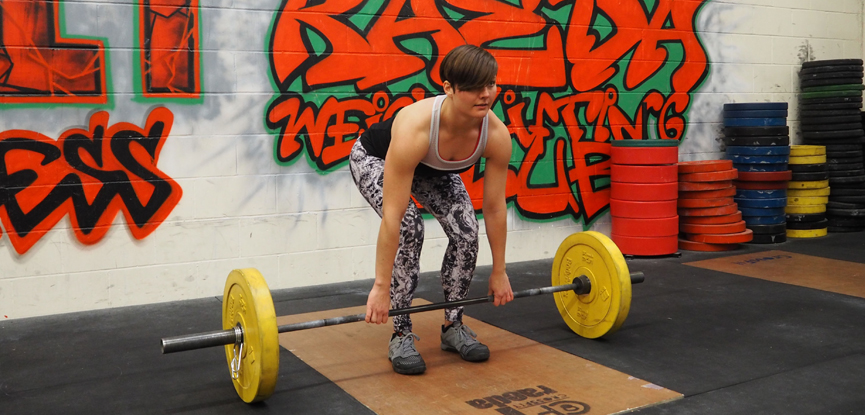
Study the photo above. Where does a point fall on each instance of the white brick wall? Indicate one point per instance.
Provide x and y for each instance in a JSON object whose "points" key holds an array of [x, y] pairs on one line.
{"points": [[298, 226]]}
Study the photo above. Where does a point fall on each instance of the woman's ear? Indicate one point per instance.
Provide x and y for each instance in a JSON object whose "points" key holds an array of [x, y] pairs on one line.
{"points": [[449, 89]]}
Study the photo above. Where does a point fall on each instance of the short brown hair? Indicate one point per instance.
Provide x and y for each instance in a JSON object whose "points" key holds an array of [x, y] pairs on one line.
{"points": [[468, 67]]}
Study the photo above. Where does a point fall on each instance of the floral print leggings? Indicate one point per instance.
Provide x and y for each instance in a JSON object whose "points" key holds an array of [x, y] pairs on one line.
{"points": [[448, 201]]}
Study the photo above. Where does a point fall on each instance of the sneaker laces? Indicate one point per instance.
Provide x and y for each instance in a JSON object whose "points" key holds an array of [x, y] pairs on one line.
{"points": [[406, 344], [467, 336]]}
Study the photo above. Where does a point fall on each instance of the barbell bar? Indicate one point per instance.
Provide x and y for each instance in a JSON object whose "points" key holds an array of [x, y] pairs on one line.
{"points": [[581, 285], [591, 288]]}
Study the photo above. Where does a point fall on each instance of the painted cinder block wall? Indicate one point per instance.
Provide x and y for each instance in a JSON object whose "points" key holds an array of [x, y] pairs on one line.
{"points": [[149, 147]]}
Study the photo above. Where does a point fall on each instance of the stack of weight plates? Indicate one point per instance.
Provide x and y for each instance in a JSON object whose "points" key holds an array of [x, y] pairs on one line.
{"points": [[757, 142], [643, 192], [808, 192], [830, 116], [709, 219]]}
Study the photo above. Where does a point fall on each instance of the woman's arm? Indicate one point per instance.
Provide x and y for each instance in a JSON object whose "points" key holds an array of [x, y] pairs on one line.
{"points": [[498, 156], [409, 144]]}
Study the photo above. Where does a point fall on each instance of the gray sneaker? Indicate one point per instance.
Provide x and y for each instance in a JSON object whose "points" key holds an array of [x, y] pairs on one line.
{"points": [[459, 338], [403, 356]]}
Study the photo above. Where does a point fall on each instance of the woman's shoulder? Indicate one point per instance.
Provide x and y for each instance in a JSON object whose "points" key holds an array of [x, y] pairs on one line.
{"points": [[416, 115]]}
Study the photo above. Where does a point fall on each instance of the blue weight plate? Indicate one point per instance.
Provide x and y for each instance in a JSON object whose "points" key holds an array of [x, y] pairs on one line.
{"points": [[761, 167], [756, 114], [759, 150], [755, 106], [760, 203], [764, 220], [755, 122], [761, 194], [745, 159], [754, 211]]}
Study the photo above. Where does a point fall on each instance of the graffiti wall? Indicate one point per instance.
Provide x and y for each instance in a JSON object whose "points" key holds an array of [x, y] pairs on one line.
{"points": [[148, 147]]}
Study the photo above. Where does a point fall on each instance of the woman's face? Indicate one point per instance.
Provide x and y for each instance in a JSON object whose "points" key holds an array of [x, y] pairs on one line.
{"points": [[473, 102]]}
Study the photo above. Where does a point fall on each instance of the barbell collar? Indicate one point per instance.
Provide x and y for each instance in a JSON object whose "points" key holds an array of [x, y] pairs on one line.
{"points": [[580, 285]]}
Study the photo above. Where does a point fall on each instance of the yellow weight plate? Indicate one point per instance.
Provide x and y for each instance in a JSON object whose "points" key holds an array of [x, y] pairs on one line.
{"points": [[807, 200], [799, 151], [247, 302], [806, 233], [817, 184], [807, 159], [805, 209], [604, 309], [823, 191]]}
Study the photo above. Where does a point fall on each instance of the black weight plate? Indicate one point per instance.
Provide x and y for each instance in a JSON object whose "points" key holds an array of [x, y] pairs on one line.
{"points": [[827, 126], [756, 131], [756, 114], [767, 238], [833, 204], [810, 177], [846, 221], [808, 168], [843, 180], [776, 140], [808, 225], [807, 85], [831, 120], [834, 134], [836, 151], [830, 75], [844, 160], [832, 62], [833, 167], [847, 213], [852, 112], [852, 200], [830, 100], [846, 192], [855, 106], [805, 217], [830, 69], [846, 173], [767, 229], [834, 141], [842, 229], [841, 150], [755, 106]]}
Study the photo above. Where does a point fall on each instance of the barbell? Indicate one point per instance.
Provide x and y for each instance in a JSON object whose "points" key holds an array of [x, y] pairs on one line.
{"points": [[591, 288]]}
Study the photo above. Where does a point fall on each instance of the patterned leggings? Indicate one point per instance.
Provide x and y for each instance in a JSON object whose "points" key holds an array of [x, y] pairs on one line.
{"points": [[447, 199]]}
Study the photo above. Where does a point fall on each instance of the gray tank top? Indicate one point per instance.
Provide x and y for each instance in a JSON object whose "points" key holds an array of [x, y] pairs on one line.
{"points": [[434, 160]]}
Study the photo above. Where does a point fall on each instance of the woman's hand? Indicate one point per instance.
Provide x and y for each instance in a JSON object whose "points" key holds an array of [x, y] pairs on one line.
{"points": [[500, 288], [378, 304]]}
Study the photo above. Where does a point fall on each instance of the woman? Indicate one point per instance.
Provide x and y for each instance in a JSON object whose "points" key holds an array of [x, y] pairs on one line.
{"points": [[421, 152]]}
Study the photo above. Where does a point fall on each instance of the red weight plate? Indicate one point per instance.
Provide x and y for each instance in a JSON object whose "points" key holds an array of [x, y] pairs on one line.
{"points": [[705, 202], [734, 227], [700, 194], [643, 210], [643, 174], [645, 227], [712, 211], [711, 220], [765, 176], [699, 246], [724, 238], [644, 155], [644, 191], [702, 186], [636, 245], [704, 166], [711, 176], [760, 185]]}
